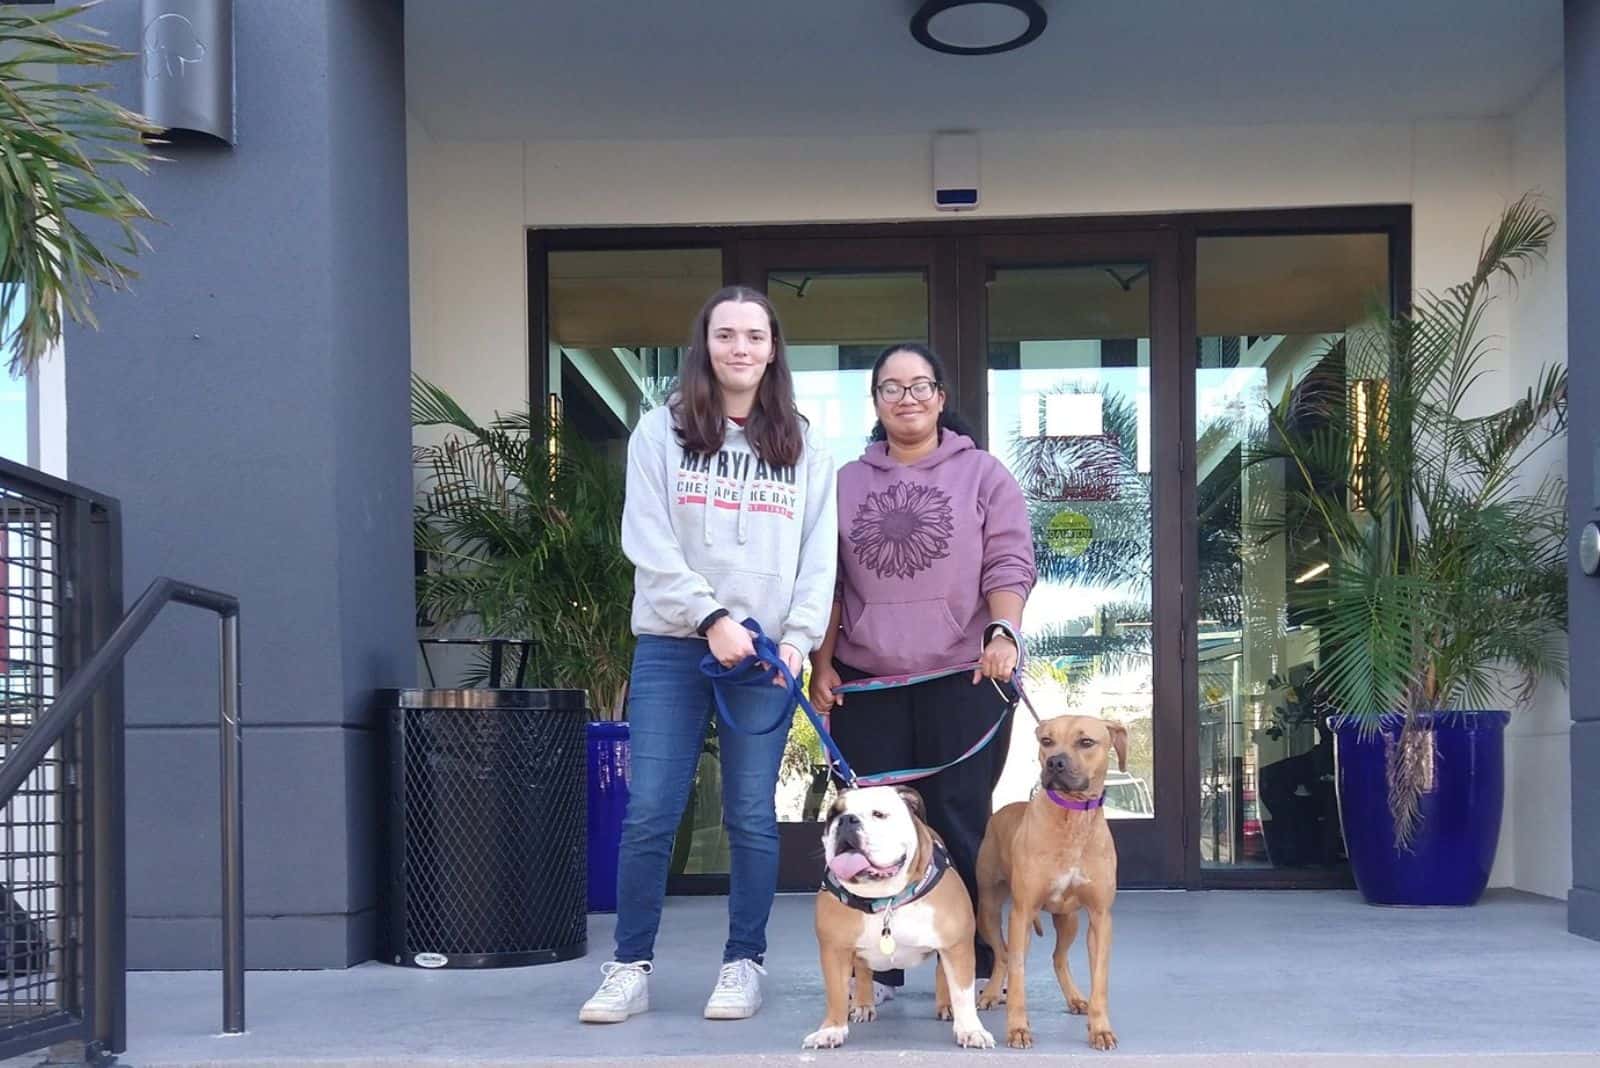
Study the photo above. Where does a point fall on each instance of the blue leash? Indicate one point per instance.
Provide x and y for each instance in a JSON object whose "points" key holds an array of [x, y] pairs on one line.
{"points": [[757, 671]]}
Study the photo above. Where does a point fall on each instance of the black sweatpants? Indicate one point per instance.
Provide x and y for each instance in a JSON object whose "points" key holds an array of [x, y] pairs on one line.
{"points": [[926, 725]]}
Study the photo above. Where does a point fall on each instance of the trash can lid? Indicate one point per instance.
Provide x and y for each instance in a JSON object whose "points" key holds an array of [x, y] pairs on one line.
{"points": [[487, 698]]}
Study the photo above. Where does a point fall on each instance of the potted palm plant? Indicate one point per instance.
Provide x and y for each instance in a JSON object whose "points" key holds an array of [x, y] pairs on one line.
{"points": [[521, 525], [1443, 600]]}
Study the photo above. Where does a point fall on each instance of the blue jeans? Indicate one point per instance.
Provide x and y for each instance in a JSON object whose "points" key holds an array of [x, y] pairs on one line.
{"points": [[669, 707]]}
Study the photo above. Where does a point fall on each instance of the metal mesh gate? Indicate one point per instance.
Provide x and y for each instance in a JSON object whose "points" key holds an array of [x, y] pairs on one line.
{"points": [[487, 827], [39, 829]]}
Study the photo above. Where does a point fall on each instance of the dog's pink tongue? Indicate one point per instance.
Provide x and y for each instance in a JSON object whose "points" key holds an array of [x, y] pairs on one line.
{"points": [[846, 866]]}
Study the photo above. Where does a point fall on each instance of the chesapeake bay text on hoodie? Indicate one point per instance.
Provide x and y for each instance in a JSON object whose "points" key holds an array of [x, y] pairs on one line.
{"points": [[730, 531]]}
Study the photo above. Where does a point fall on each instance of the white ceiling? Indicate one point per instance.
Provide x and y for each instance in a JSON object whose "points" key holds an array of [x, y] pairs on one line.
{"points": [[535, 69]]}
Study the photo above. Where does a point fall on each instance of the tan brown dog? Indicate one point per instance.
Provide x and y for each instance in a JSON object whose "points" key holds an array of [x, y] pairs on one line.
{"points": [[891, 900], [1054, 854]]}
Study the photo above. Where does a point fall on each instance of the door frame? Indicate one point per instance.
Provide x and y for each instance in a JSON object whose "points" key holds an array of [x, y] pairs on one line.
{"points": [[739, 241], [1151, 852], [933, 255], [1153, 849]]}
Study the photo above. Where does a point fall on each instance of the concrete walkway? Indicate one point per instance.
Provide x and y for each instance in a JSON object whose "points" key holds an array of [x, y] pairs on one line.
{"points": [[1235, 978]]}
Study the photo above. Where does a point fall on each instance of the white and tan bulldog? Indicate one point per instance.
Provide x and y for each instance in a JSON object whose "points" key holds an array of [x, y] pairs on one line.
{"points": [[890, 900]]}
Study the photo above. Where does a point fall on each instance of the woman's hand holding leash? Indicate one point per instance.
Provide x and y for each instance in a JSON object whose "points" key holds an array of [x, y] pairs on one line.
{"points": [[999, 660], [1002, 639], [824, 678], [730, 641], [792, 660]]}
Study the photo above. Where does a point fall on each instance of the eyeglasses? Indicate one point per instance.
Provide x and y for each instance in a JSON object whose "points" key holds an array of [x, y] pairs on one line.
{"points": [[922, 389]]}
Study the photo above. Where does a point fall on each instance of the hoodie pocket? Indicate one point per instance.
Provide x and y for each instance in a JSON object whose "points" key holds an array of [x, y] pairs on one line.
{"points": [[748, 593], [908, 633]]}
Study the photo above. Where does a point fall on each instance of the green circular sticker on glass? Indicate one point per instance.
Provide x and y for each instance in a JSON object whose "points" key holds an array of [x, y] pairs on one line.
{"points": [[1069, 533]]}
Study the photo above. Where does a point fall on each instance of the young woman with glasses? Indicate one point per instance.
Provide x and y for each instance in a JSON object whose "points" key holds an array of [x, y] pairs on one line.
{"points": [[935, 563]]}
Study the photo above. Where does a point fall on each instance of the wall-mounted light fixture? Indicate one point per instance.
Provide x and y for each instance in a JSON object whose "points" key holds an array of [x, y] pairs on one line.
{"points": [[188, 66]]}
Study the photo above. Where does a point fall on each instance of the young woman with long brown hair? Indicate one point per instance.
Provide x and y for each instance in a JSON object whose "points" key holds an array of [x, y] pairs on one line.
{"points": [[730, 515]]}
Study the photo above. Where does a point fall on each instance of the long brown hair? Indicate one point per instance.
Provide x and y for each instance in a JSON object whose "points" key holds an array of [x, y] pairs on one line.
{"points": [[774, 424]]}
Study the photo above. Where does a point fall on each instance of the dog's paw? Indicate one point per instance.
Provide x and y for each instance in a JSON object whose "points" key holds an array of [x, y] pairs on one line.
{"points": [[1101, 1036], [863, 1014], [993, 994], [1019, 1037], [825, 1038], [1078, 1006], [943, 1012], [975, 1038]]}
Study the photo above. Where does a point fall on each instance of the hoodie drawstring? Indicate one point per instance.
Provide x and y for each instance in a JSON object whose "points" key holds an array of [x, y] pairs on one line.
{"points": [[744, 487], [743, 524]]}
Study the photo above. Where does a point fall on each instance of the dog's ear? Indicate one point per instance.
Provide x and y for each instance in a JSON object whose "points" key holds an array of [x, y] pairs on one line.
{"points": [[1119, 742], [836, 808], [913, 801]]}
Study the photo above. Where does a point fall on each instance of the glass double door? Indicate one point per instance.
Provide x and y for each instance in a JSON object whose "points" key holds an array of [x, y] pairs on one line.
{"points": [[1064, 352]]}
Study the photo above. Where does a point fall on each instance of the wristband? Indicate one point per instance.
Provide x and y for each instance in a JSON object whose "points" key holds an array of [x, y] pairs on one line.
{"points": [[1004, 627], [705, 624]]}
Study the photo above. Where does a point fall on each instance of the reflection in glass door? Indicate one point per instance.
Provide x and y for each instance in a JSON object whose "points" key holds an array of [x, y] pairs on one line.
{"points": [[839, 307], [1069, 414], [836, 323], [1072, 409], [1270, 310]]}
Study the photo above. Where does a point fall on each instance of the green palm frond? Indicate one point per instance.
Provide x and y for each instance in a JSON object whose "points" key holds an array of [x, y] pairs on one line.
{"points": [[1447, 580], [1374, 625], [61, 143], [432, 406], [522, 529]]}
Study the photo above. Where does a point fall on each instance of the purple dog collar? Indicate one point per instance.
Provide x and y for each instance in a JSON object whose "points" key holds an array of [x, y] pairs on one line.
{"points": [[1076, 805]]}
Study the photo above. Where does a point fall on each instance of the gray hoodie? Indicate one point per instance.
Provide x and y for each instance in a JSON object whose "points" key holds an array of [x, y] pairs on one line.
{"points": [[727, 531]]}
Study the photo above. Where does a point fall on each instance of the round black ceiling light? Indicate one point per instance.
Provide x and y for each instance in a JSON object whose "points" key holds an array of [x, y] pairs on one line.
{"points": [[977, 27]]}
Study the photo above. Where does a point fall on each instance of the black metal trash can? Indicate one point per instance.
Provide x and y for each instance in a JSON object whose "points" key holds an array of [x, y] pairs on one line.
{"points": [[487, 827]]}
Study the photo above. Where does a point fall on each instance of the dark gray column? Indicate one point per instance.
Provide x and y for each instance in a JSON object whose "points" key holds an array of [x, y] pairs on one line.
{"points": [[1583, 446], [248, 404]]}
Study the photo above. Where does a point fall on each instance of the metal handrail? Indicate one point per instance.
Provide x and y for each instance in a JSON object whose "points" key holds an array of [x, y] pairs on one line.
{"points": [[49, 728]]}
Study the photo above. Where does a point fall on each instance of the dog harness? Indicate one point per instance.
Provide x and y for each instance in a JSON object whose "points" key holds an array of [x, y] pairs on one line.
{"points": [[937, 865]]}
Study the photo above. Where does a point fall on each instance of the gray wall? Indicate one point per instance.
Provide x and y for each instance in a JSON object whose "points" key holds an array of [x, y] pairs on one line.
{"points": [[1583, 444], [249, 405]]}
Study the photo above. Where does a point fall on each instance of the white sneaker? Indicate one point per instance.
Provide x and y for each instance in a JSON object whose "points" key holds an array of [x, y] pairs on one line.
{"points": [[624, 992], [737, 994]]}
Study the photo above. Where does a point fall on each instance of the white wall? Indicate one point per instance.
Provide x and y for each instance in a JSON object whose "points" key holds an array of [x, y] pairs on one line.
{"points": [[469, 293], [1538, 758], [472, 202], [47, 412]]}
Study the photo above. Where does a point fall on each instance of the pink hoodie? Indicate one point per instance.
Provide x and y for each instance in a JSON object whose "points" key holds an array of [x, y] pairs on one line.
{"points": [[921, 546]]}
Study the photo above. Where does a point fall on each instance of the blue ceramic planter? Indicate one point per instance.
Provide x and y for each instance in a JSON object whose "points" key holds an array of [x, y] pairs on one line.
{"points": [[608, 803], [1450, 856]]}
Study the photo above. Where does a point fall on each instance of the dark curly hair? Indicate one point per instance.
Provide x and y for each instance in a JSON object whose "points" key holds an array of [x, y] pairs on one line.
{"points": [[949, 419]]}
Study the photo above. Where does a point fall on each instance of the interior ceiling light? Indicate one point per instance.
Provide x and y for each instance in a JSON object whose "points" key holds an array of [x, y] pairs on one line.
{"points": [[977, 27], [1312, 572]]}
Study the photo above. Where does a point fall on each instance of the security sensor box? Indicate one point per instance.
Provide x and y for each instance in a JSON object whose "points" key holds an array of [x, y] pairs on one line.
{"points": [[955, 171]]}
